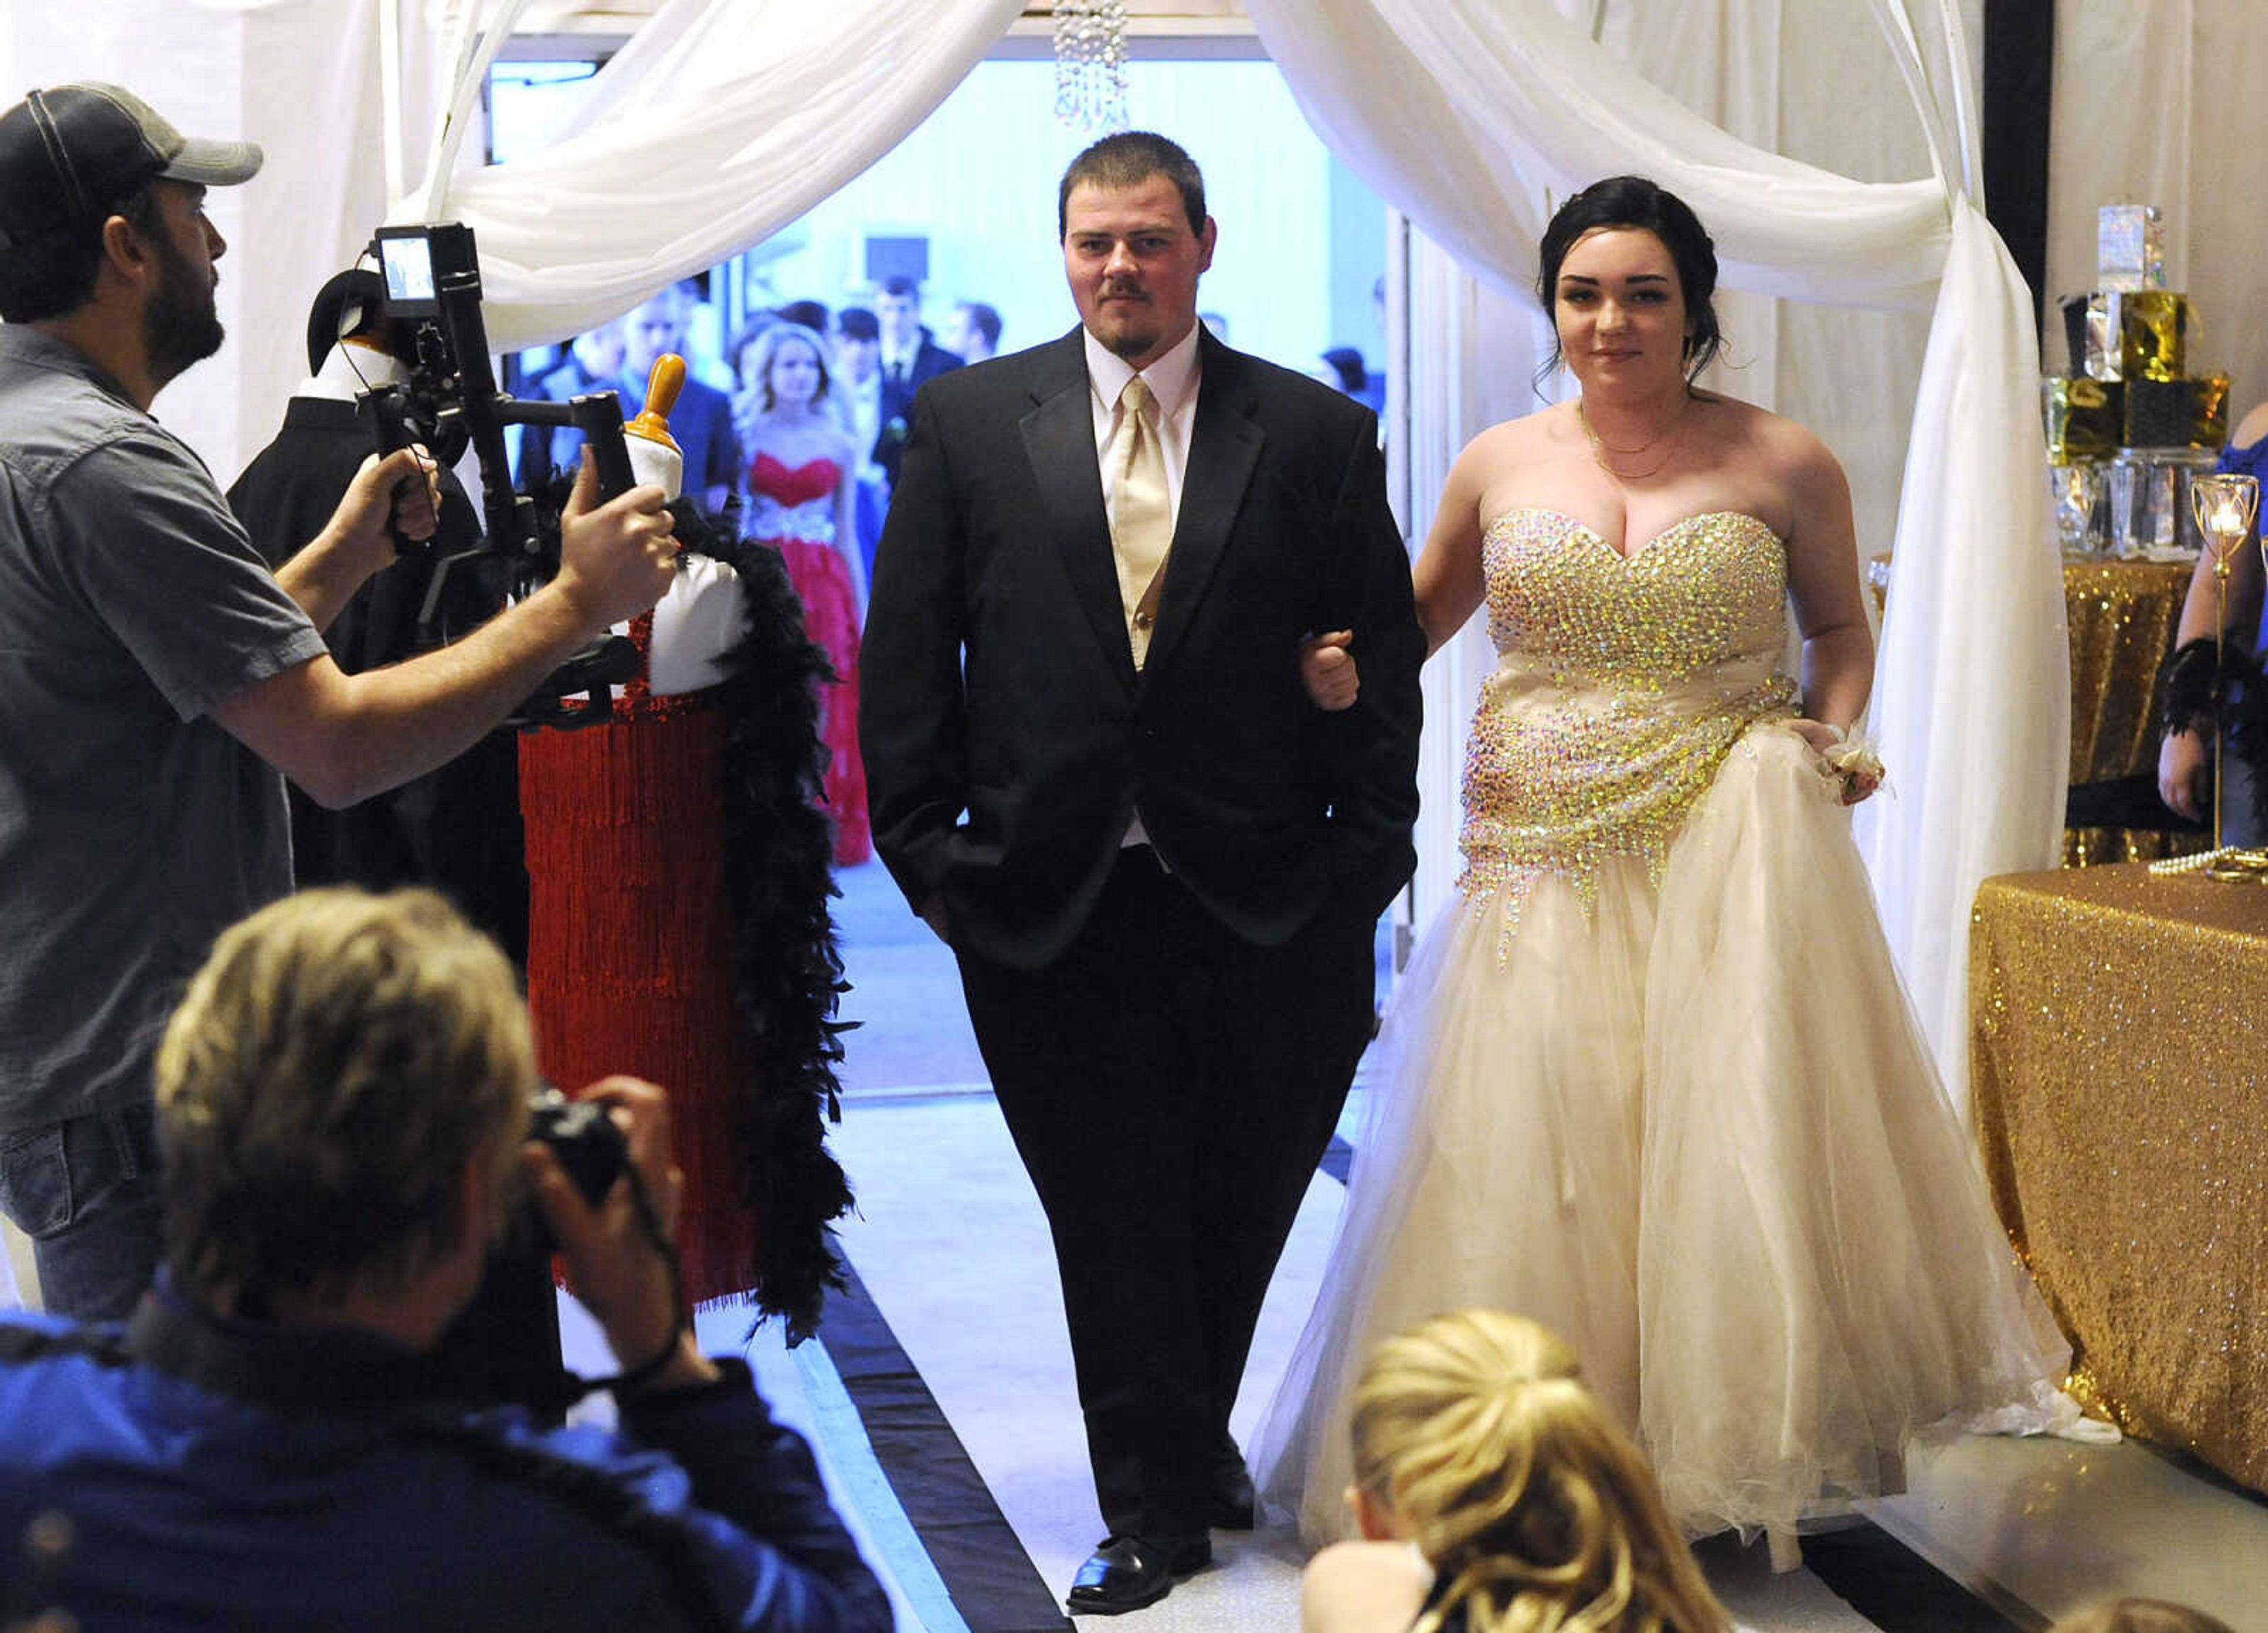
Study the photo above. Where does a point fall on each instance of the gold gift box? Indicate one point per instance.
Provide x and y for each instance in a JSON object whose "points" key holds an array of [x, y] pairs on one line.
{"points": [[2190, 413], [2137, 334], [2082, 418]]}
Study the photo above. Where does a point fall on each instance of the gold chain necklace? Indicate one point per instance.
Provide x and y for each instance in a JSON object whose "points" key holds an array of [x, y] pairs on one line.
{"points": [[1599, 450]]}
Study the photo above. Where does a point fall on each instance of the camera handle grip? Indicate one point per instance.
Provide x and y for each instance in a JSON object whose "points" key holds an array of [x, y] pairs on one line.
{"points": [[384, 413], [598, 415]]}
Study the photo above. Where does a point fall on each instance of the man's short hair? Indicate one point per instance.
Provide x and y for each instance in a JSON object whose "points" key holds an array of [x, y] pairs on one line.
{"points": [[811, 315], [56, 275], [901, 287], [72, 157], [984, 320], [337, 1062], [858, 323], [1128, 159]]}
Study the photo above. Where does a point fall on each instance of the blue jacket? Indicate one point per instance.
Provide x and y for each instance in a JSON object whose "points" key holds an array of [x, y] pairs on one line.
{"points": [[241, 1475]]}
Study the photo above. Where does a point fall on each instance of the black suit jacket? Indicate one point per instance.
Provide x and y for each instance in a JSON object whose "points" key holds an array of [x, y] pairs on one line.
{"points": [[1008, 737], [457, 826], [897, 407]]}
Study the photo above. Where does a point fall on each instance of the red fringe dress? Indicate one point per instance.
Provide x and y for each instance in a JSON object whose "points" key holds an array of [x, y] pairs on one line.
{"points": [[792, 510], [630, 943]]}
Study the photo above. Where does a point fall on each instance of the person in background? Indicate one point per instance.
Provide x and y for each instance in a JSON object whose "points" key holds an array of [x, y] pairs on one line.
{"points": [[811, 315], [802, 483], [2185, 758], [1345, 369], [1492, 1490], [343, 1102], [857, 394], [701, 421], [974, 331], [594, 362], [909, 357]]}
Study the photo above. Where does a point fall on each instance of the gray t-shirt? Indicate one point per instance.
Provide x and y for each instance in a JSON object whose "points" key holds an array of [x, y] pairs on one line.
{"points": [[132, 828]]}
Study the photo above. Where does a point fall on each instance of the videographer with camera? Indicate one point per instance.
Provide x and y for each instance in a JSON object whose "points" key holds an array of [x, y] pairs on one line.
{"points": [[343, 1101], [156, 676]]}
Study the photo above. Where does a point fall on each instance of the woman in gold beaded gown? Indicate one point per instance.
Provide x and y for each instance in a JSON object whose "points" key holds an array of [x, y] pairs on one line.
{"points": [[1652, 1080]]}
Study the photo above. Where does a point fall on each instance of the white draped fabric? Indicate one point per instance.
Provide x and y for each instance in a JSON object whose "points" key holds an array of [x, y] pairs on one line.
{"points": [[1475, 117], [720, 122]]}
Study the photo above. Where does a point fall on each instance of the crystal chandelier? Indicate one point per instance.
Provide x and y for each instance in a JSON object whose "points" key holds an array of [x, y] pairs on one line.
{"points": [[1091, 64]]}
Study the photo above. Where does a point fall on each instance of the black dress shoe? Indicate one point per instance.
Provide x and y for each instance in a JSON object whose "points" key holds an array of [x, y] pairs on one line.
{"points": [[1230, 1500], [1126, 1573]]}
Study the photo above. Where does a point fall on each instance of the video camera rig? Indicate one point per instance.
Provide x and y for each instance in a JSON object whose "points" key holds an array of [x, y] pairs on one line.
{"points": [[451, 403]]}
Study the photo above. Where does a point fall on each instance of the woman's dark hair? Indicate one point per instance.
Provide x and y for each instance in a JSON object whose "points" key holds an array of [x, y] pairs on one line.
{"points": [[1635, 201]]}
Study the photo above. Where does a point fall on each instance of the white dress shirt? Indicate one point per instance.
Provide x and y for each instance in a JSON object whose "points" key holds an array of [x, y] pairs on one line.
{"points": [[1173, 379]]}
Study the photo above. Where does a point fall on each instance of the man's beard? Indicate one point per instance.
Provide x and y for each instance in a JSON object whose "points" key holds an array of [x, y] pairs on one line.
{"points": [[180, 326]]}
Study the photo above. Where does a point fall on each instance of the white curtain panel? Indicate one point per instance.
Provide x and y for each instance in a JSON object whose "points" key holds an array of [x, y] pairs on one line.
{"points": [[720, 122], [1475, 117]]}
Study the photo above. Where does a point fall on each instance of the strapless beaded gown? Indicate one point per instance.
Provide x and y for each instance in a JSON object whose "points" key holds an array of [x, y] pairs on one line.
{"points": [[1651, 1079], [792, 508]]}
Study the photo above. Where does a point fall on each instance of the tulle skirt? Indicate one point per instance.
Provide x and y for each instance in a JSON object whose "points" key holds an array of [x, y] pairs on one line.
{"points": [[1697, 1133]]}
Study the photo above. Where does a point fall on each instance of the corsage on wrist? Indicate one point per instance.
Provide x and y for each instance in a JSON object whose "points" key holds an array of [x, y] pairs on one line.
{"points": [[1853, 759]]}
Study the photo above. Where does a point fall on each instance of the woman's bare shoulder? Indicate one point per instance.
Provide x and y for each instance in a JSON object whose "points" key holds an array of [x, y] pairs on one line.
{"points": [[1785, 448], [1364, 1587], [1503, 446]]}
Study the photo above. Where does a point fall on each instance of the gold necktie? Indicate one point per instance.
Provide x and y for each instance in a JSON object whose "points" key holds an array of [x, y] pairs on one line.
{"points": [[1141, 513]]}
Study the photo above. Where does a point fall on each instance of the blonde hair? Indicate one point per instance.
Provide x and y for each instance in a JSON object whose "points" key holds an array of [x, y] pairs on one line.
{"points": [[338, 1061], [2140, 1615], [1476, 1430], [768, 347]]}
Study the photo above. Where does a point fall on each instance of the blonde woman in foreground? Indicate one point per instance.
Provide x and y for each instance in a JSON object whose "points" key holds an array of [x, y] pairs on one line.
{"points": [[1495, 1494]]}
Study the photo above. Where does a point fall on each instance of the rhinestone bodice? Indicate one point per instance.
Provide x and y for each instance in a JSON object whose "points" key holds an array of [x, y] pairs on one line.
{"points": [[1620, 687]]}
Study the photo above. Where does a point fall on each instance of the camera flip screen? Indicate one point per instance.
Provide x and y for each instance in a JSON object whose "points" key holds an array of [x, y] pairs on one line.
{"points": [[407, 260]]}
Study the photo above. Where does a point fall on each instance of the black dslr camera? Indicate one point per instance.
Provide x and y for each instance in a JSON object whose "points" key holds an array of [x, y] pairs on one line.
{"points": [[585, 1139], [504, 1345]]}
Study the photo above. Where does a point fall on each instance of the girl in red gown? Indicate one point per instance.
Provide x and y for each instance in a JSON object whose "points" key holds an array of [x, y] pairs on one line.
{"points": [[802, 494]]}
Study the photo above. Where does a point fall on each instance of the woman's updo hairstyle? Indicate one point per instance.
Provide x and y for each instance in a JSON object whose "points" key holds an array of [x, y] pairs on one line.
{"points": [[1531, 1503], [1635, 201]]}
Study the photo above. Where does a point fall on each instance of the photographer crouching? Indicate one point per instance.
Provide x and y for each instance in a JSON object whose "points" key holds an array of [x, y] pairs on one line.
{"points": [[155, 677], [342, 1103]]}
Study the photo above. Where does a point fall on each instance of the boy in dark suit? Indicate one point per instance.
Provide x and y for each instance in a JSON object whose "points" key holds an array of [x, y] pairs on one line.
{"points": [[1094, 773]]}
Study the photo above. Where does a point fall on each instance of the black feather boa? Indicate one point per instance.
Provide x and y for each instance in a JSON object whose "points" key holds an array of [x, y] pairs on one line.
{"points": [[2205, 680], [787, 974]]}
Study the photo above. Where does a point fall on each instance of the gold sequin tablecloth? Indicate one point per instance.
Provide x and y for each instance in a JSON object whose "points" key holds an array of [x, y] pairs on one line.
{"points": [[2120, 1082], [2122, 616]]}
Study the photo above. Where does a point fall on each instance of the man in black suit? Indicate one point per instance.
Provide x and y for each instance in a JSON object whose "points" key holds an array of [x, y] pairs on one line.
{"points": [[702, 420], [1099, 779], [911, 358]]}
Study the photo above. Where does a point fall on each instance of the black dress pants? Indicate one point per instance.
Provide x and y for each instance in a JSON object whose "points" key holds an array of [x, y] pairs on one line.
{"points": [[1170, 1087]]}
